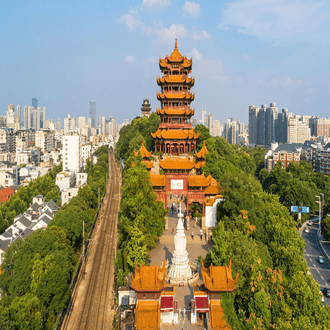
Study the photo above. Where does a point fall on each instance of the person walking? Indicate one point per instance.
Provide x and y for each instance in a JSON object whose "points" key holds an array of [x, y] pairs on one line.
{"points": [[192, 234], [172, 230], [201, 233]]}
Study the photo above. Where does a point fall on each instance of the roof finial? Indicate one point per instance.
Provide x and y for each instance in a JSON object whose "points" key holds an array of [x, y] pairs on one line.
{"points": [[176, 44]]}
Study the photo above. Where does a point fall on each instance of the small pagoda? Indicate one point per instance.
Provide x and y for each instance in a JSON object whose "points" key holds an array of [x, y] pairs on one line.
{"points": [[146, 108], [175, 134]]}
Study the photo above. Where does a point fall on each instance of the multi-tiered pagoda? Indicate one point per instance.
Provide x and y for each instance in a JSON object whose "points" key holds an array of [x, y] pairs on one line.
{"points": [[175, 134]]}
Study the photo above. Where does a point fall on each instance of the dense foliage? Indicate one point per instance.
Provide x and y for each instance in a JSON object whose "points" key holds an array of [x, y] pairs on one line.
{"points": [[132, 135], [36, 273], [141, 218], [20, 202], [256, 230]]}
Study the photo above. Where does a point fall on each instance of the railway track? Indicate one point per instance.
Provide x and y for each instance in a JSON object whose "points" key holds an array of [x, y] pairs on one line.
{"points": [[92, 308]]}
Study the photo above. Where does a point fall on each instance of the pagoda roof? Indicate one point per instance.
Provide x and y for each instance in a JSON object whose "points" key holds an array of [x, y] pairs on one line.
{"points": [[202, 152], [217, 316], [175, 79], [144, 151], [178, 96], [148, 278], [199, 164], [148, 164], [179, 112], [212, 189], [209, 201], [176, 134], [157, 180], [175, 57], [200, 180], [147, 315], [218, 278], [177, 163]]}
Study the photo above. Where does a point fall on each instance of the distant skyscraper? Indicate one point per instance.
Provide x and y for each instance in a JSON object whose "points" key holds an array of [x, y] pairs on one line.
{"points": [[209, 124], [43, 117], [253, 116], [203, 116], [92, 112], [216, 128], [35, 103], [270, 123], [59, 126]]}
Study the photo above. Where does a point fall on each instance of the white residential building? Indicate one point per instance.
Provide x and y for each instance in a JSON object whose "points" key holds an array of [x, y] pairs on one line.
{"points": [[68, 194], [86, 152], [65, 180], [71, 152]]}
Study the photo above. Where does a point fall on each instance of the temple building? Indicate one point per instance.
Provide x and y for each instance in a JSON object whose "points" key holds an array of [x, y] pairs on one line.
{"points": [[146, 108], [207, 297], [175, 134], [154, 299]]}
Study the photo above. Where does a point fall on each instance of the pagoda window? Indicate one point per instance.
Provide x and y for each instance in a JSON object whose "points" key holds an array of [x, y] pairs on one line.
{"points": [[176, 89], [175, 73]]}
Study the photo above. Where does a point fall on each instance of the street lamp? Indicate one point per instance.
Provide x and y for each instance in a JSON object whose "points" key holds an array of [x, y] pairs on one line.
{"points": [[319, 202]]}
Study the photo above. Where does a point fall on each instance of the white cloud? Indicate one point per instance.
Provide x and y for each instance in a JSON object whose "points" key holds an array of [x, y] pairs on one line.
{"points": [[192, 8], [209, 70], [245, 57], [168, 35], [153, 4], [132, 21], [276, 19], [129, 59], [152, 59], [240, 81], [260, 82], [285, 82], [202, 35]]}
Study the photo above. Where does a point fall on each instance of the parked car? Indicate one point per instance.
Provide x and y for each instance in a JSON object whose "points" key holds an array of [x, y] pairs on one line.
{"points": [[310, 223], [322, 297], [306, 230], [326, 292], [320, 259]]}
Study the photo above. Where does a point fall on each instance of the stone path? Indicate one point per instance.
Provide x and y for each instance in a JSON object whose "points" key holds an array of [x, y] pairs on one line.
{"points": [[164, 249]]}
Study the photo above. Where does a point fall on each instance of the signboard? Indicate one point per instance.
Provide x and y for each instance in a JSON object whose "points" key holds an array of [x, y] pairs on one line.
{"points": [[294, 208], [176, 184], [193, 318], [300, 209]]}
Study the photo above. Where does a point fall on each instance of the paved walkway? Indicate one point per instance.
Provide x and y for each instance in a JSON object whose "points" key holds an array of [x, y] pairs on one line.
{"points": [[195, 248]]}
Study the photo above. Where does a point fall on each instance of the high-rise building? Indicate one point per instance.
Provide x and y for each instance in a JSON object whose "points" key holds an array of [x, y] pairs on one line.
{"points": [[81, 122], [231, 131], [203, 116], [10, 118], [92, 112], [43, 117], [71, 152], [253, 119], [102, 124], [35, 103], [209, 124], [69, 124], [270, 123], [59, 124], [216, 128], [261, 125]]}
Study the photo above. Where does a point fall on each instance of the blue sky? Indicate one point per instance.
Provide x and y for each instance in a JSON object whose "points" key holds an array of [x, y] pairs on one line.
{"points": [[67, 53]]}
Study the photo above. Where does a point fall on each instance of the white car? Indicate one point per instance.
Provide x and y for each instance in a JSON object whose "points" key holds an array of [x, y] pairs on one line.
{"points": [[322, 297], [306, 230], [310, 223]]}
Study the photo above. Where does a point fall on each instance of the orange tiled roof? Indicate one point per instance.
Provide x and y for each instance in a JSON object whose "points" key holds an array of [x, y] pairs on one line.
{"points": [[175, 79], [168, 96], [200, 180], [148, 278], [176, 134], [200, 164], [212, 189], [144, 151], [148, 164], [202, 152], [175, 57], [209, 201], [5, 194], [147, 315], [179, 112], [217, 320], [177, 163], [218, 278], [157, 180]]}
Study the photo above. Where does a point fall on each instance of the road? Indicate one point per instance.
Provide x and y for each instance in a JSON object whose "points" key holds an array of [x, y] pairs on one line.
{"points": [[320, 272], [92, 298]]}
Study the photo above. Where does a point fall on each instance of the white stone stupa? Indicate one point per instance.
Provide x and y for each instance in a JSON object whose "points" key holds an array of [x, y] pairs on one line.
{"points": [[180, 269]]}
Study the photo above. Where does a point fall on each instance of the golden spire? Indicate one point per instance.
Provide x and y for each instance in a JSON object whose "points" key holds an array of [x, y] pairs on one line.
{"points": [[176, 44]]}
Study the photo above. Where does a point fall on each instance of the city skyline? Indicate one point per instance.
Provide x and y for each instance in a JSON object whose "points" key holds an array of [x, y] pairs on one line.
{"points": [[244, 52]]}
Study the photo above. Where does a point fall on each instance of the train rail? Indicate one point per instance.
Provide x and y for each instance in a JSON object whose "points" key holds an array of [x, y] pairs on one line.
{"points": [[92, 308]]}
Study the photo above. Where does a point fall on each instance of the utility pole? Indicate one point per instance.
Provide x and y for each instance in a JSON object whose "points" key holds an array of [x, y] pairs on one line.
{"points": [[98, 206], [319, 202], [83, 251]]}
